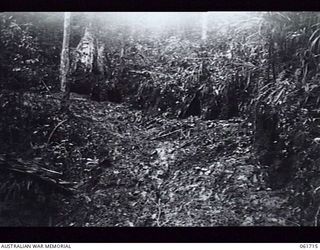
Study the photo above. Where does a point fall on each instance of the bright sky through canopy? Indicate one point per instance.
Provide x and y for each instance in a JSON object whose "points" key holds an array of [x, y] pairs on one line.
{"points": [[161, 19]]}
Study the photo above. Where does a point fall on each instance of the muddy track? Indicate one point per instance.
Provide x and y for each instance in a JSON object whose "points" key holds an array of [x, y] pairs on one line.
{"points": [[172, 173]]}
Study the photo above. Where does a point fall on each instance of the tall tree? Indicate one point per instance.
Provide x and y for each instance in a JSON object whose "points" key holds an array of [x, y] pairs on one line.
{"points": [[86, 53], [65, 53], [90, 52], [88, 66]]}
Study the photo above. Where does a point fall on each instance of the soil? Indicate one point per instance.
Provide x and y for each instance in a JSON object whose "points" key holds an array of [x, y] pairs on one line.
{"points": [[131, 168]]}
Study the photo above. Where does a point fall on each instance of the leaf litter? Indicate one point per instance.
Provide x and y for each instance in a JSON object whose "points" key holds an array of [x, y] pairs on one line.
{"points": [[135, 169]]}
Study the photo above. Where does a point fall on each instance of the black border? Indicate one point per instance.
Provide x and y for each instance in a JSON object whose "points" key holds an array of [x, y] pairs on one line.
{"points": [[159, 5], [162, 235]]}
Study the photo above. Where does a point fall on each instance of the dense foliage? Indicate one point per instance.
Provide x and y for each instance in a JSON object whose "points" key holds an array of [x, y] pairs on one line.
{"points": [[264, 68]]}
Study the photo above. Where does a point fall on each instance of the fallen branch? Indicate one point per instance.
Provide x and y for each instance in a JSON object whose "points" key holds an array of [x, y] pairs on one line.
{"points": [[54, 130], [151, 73], [35, 171], [45, 85], [164, 135]]}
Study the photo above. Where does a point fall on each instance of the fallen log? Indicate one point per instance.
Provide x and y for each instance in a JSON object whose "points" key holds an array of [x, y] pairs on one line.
{"points": [[38, 173]]}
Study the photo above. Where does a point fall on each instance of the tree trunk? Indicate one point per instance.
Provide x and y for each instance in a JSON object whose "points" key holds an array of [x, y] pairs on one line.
{"points": [[85, 54], [88, 64], [65, 62], [90, 54], [101, 59], [65, 55]]}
